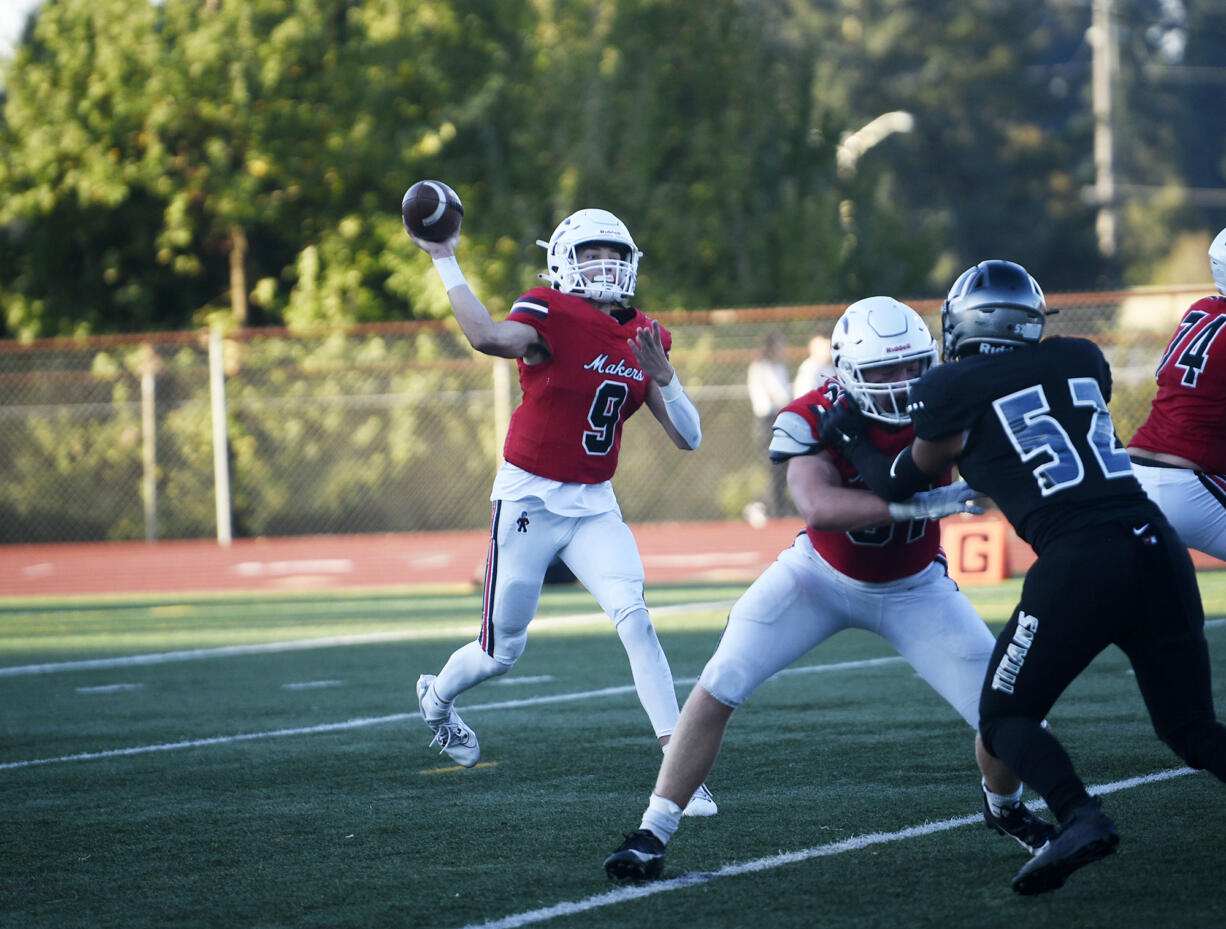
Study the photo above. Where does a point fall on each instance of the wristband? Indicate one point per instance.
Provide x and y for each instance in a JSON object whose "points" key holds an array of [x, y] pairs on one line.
{"points": [[902, 512], [449, 270], [672, 390]]}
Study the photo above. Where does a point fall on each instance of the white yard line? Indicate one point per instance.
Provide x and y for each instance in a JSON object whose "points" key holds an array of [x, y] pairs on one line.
{"points": [[855, 843], [405, 635], [401, 717], [432, 632], [567, 908], [397, 718]]}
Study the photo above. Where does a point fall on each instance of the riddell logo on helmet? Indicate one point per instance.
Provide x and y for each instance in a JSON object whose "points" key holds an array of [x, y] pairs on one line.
{"points": [[897, 348]]}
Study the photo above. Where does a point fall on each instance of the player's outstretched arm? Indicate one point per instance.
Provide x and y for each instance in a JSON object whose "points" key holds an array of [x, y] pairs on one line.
{"points": [[841, 428], [504, 339], [825, 504]]}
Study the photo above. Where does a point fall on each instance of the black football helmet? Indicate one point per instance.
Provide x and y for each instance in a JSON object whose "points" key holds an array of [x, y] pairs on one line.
{"points": [[993, 307]]}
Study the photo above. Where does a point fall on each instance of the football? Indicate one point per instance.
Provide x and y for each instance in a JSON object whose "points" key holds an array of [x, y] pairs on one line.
{"points": [[431, 210]]}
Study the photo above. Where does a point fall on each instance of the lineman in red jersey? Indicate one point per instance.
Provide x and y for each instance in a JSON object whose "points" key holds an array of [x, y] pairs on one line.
{"points": [[1179, 453], [586, 362], [859, 564]]}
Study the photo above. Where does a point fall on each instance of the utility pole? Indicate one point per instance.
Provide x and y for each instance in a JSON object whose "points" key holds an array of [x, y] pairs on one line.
{"points": [[1103, 71]]}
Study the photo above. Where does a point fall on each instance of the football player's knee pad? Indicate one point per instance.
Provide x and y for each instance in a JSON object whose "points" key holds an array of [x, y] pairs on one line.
{"points": [[634, 627], [507, 649], [632, 617], [994, 731], [1201, 744], [623, 600], [505, 664], [728, 679], [987, 734], [1003, 733]]}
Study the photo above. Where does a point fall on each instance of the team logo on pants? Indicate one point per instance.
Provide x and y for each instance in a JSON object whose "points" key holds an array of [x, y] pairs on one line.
{"points": [[1015, 653], [521, 524]]}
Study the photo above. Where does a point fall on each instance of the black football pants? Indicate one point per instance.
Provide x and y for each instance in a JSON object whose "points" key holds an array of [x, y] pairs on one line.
{"points": [[1091, 588]]}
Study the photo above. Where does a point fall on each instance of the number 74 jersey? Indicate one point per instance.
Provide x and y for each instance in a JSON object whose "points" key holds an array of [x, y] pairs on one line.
{"points": [[1188, 417], [1039, 438], [569, 425]]}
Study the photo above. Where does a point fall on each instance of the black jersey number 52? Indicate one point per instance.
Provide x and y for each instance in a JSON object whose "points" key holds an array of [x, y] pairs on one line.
{"points": [[1034, 433]]}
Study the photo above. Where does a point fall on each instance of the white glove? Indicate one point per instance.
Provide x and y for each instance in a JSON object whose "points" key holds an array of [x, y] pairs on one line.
{"points": [[933, 504]]}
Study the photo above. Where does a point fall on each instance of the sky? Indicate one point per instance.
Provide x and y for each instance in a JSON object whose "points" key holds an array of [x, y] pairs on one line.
{"points": [[12, 18]]}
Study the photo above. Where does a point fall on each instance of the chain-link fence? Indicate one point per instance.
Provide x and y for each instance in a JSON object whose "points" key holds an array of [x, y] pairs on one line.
{"points": [[395, 427]]}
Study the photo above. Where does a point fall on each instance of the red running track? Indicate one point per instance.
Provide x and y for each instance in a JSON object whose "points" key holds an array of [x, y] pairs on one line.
{"points": [[672, 552], [730, 551]]}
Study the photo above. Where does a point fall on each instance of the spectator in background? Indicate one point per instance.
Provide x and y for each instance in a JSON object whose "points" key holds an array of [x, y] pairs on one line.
{"points": [[769, 392], [1179, 453], [814, 370]]}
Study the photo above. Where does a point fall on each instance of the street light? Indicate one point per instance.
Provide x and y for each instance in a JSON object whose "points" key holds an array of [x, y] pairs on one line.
{"points": [[854, 144]]}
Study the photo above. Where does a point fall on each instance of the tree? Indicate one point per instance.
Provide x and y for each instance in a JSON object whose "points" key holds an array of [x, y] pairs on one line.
{"points": [[181, 157], [167, 164]]}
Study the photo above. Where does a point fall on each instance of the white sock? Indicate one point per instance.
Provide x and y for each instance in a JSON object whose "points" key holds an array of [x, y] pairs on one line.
{"points": [[662, 817], [433, 707], [1000, 803]]}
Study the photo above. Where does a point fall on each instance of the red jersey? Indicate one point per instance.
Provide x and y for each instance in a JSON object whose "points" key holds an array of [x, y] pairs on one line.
{"points": [[1188, 416], [569, 425], [885, 553]]}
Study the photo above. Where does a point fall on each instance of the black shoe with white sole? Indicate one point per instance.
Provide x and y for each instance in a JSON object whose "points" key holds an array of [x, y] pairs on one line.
{"points": [[1088, 836], [639, 858], [1032, 832]]}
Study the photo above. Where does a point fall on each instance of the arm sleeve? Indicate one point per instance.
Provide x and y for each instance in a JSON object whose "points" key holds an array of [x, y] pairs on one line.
{"points": [[682, 412], [894, 480]]}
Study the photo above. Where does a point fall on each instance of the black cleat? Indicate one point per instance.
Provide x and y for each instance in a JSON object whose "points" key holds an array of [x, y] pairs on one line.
{"points": [[1088, 836], [1032, 832], [639, 858]]}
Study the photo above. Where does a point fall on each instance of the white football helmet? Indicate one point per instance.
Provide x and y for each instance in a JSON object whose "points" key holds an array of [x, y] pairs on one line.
{"points": [[1217, 261], [872, 333], [606, 281]]}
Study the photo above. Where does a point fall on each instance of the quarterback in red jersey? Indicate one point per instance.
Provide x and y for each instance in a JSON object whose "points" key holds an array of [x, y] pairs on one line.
{"points": [[860, 564], [587, 361], [1179, 453]]}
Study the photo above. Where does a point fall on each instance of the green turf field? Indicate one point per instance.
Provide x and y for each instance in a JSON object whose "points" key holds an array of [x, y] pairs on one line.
{"points": [[239, 761]]}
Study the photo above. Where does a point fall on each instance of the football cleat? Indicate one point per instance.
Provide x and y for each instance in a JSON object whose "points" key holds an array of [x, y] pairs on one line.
{"points": [[1088, 836], [450, 733], [701, 804], [639, 858], [1032, 832]]}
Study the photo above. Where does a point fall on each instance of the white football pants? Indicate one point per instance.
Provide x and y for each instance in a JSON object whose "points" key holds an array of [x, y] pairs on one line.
{"points": [[601, 552], [1193, 501], [800, 601]]}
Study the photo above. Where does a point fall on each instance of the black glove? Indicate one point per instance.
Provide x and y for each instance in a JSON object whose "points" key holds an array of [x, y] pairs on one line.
{"points": [[842, 426]]}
